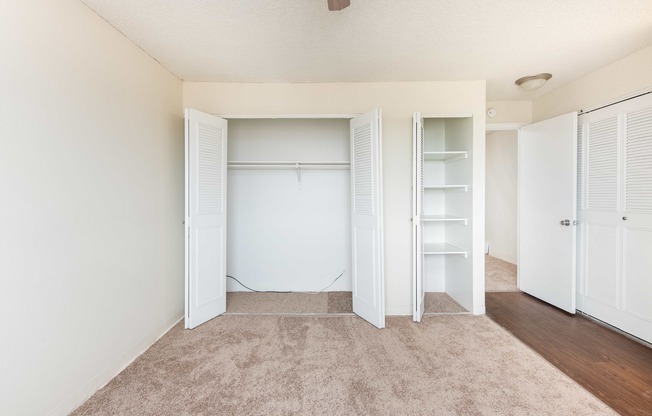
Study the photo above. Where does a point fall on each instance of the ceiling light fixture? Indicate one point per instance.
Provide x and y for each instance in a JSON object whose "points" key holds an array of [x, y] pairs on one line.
{"points": [[336, 5], [533, 82]]}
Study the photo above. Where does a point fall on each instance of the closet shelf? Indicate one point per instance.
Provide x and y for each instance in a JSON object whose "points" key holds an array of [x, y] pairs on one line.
{"points": [[448, 157], [274, 164], [443, 218], [463, 188], [443, 248]]}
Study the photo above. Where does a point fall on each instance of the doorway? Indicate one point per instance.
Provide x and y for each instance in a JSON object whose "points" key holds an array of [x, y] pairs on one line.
{"points": [[501, 224]]}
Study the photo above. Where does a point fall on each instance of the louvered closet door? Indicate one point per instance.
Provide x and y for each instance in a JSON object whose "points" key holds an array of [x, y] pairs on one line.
{"points": [[616, 215], [205, 217], [366, 219], [637, 228], [598, 212], [417, 210]]}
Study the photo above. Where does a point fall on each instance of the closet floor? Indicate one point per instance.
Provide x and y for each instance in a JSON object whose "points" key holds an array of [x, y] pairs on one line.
{"points": [[321, 303], [438, 302], [288, 303]]}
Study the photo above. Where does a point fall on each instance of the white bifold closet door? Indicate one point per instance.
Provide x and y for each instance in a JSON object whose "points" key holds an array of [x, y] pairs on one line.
{"points": [[206, 176], [206, 141], [417, 210], [367, 218], [547, 196], [616, 215]]}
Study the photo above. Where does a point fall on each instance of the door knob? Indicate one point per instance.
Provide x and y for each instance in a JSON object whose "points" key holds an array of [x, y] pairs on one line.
{"points": [[565, 222], [624, 218]]}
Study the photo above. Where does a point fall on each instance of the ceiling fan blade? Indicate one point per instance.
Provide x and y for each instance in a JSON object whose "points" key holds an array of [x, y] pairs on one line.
{"points": [[334, 5]]}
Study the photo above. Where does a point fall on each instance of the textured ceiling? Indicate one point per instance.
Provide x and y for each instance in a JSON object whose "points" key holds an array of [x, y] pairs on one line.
{"points": [[384, 40]]}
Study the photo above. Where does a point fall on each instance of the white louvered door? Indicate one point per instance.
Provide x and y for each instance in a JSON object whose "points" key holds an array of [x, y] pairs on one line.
{"points": [[367, 219], [417, 210], [616, 215], [547, 209], [598, 208], [206, 141]]}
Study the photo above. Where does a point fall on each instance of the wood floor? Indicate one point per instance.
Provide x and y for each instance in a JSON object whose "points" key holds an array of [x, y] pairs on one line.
{"points": [[613, 367]]}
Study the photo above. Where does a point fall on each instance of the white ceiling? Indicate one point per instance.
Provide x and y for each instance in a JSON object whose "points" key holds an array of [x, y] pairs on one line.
{"points": [[384, 40]]}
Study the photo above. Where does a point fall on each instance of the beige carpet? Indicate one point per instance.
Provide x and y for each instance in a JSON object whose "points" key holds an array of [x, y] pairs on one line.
{"points": [[500, 275], [288, 303], [341, 365], [321, 303], [436, 302]]}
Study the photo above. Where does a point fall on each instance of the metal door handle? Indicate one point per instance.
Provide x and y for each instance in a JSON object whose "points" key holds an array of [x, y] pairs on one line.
{"points": [[624, 218], [565, 222]]}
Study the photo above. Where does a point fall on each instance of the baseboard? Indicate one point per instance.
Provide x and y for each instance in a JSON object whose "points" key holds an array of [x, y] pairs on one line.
{"points": [[78, 397]]}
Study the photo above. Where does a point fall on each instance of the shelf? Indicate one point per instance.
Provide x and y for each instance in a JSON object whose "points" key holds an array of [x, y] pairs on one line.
{"points": [[443, 248], [463, 188], [269, 164], [446, 156], [296, 166], [443, 218]]}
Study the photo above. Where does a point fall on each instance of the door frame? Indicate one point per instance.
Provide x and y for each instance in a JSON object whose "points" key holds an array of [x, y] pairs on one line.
{"points": [[491, 127]]}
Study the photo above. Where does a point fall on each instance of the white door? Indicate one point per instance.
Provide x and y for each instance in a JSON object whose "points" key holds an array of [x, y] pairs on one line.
{"points": [[367, 218], [417, 209], [547, 190], [206, 138]]}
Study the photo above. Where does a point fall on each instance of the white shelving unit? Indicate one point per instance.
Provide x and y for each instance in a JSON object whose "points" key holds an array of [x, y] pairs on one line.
{"points": [[443, 209]]}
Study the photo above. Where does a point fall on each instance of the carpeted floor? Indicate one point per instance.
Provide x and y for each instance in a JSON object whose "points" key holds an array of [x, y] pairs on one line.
{"points": [[500, 275], [341, 365], [320, 303]]}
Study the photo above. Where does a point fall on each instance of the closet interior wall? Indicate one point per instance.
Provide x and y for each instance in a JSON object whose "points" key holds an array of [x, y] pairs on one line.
{"points": [[289, 228]]}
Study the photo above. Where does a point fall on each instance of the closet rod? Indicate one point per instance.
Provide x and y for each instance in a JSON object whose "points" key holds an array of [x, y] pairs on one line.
{"points": [[291, 164], [618, 101]]}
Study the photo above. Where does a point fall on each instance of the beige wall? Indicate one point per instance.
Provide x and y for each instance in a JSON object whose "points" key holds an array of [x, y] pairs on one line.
{"points": [[502, 170], [510, 112], [91, 181], [603, 85], [398, 101]]}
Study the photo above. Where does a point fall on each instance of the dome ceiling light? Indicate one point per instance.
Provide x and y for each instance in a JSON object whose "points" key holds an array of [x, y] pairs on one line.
{"points": [[533, 82], [336, 5]]}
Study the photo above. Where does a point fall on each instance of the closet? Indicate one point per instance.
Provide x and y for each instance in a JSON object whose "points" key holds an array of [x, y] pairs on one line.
{"points": [[283, 203], [289, 199], [615, 215], [442, 210]]}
